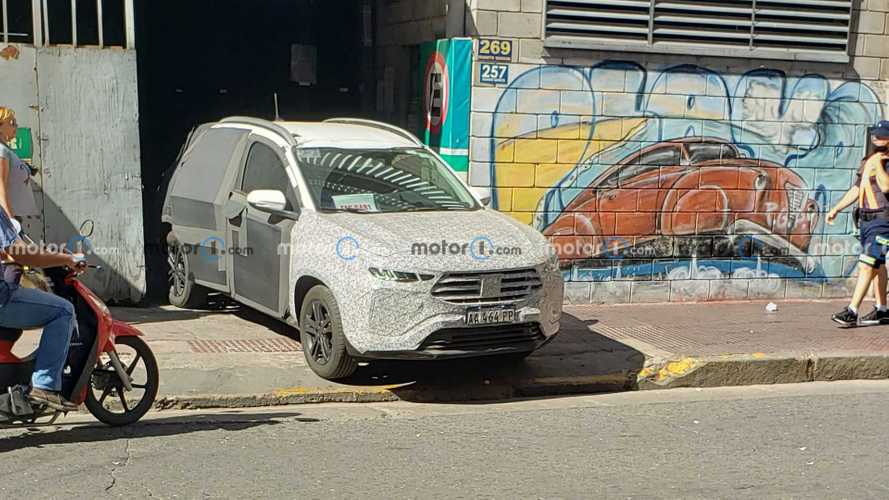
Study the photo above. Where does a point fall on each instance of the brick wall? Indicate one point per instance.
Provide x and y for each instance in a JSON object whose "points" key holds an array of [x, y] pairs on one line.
{"points": [[679, 177]]}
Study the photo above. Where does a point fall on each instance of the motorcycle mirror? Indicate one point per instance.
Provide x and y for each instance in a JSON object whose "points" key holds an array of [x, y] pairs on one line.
{"points": [[86, 229]]}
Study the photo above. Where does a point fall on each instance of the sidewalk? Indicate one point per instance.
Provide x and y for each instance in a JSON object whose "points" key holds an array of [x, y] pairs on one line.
{"points": [[237, 357]]}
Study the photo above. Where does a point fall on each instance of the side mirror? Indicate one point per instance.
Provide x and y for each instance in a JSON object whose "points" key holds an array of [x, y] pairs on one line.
{"points": [[483, 195], [271, 201]]}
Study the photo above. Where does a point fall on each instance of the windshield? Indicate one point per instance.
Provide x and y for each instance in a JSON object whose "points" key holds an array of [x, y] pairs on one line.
{"points": [[373, 181]]}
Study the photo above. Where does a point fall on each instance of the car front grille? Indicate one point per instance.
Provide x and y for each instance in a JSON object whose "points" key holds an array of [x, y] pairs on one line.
{"points": [[519, 336], [487, 287]]}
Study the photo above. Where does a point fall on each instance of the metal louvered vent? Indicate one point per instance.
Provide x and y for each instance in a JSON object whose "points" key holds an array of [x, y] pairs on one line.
{"points": [[605, 19], [726, 22], [803, 24], [792, 29]]}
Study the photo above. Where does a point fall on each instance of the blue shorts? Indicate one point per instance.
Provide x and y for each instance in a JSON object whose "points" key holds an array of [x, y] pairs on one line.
{"points": [[874, 242]]}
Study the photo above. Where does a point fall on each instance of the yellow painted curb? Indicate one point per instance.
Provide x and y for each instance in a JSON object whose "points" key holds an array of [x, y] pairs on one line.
{"points": [[302, 391]]}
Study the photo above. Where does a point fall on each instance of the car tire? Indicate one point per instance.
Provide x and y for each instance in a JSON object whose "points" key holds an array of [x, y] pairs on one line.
{"points": [[184, 292], [322, 337]]}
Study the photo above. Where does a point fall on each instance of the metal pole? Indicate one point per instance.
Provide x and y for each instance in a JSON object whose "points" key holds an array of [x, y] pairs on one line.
{"points": [[45, 17], [5, 22], [100, 23], [130, 21], [74, 23], [36, 19]]}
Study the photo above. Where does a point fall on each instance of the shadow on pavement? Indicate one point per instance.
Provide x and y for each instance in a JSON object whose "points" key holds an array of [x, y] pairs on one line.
{"points": [[578, 360], [153, 427], [217, 305]]}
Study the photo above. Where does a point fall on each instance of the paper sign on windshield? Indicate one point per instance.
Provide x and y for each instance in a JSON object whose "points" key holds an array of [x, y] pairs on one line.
{"points": [[365, 202]]}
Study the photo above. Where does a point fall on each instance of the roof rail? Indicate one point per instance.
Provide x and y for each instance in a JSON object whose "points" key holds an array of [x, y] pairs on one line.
{"points": [[380, 125], [259, 122]]}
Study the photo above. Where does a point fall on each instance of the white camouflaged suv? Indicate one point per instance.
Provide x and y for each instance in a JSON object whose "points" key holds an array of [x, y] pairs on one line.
{"points": [[361, 237]]}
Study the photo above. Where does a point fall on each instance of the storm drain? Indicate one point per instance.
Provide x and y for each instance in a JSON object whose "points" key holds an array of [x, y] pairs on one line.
{"points": [[254, 345]]}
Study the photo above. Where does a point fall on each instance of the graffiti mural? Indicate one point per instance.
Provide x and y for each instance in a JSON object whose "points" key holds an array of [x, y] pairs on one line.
{"points": [[681, 173]]}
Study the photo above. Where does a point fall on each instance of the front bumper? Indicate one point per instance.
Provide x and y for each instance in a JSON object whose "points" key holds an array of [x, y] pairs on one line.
{"points": [[474, 342], [406, 321]]}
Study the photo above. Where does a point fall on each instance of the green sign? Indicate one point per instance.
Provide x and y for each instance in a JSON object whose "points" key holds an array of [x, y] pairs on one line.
{"points": [[446, 89], [22, 144]]}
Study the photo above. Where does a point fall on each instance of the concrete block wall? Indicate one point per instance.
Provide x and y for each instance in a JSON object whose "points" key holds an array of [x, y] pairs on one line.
{"points": [[401, 25], [678, 177]]}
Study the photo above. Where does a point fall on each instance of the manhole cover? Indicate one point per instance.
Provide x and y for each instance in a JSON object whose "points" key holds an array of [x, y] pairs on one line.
{"points": [[257, 345]]}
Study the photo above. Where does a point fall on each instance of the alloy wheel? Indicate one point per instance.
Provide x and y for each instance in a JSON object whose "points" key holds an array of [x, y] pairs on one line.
{"points": [[178, 278], [319, 332]]}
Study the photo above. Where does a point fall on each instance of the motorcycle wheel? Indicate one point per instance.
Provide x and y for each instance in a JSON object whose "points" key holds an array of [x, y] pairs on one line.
{"points": [[106, 398]]}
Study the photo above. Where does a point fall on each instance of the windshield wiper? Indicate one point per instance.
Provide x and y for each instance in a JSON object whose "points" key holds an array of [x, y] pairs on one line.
{"points": [[435, 209], [348, 210]]}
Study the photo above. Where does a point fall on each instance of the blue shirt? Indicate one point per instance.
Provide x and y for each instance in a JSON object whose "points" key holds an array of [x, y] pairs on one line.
{"points": [[19, 192], [9, 275]]}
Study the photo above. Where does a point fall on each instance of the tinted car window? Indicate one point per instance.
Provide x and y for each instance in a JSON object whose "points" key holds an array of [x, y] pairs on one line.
{"points": [[666, 156], [396, 180], [265, 170], [704, 151], [662, 157], [201, 172]]}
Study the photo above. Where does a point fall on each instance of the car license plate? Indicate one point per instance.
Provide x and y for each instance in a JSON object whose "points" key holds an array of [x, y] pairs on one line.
{"points": [[490, 316]]}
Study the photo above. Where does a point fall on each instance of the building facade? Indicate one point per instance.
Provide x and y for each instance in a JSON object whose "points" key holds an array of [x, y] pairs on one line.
{"points": [[71, 78], [671, 151], [679, 151]]}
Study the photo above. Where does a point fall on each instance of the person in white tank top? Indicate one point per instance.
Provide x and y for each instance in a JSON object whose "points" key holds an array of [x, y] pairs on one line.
{"points": [[24, 308], [19, 195]]}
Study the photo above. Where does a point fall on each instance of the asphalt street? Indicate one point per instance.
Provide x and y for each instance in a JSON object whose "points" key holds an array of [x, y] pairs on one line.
{"points": [[818, 440]]}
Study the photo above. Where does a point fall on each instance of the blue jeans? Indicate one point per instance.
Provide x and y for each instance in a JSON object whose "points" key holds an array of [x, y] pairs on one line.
{"points": [[29, 308]]}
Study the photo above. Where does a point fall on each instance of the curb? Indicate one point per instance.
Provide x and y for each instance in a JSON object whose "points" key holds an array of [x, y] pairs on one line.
{"points": [[708, 371], [760, 369]]}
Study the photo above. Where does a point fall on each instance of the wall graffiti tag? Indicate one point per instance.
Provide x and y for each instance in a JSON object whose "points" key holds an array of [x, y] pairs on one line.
{"points": [[681, 172]]}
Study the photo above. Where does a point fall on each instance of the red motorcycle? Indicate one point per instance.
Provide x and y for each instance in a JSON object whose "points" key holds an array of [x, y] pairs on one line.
{"points": [[109, 367]]}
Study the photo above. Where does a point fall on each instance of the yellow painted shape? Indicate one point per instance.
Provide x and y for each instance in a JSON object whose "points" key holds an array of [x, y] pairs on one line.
{"points": [[523, 217], [513, 126], [527, 199], [569, 152], [535, 150], [504, 199], [547, 174], [676, 368], [569, 131], [299, 391], [506, 151], [516, 175]]}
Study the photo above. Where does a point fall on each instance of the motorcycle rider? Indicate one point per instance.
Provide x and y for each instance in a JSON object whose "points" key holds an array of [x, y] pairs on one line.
{"points": [[23, 308]]}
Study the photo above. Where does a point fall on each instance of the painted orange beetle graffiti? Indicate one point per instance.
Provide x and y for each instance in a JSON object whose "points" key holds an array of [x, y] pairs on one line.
{"points": [[689, 186]]}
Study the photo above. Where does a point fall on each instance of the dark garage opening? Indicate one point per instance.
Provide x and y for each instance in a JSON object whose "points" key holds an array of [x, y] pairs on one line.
{"points": [[203, 60]]}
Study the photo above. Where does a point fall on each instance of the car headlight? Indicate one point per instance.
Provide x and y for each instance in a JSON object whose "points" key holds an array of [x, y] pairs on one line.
{"points": [[398, 276]]}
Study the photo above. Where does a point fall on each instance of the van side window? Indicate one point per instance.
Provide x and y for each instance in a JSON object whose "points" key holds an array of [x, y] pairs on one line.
{"points": [[264, 170]]}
